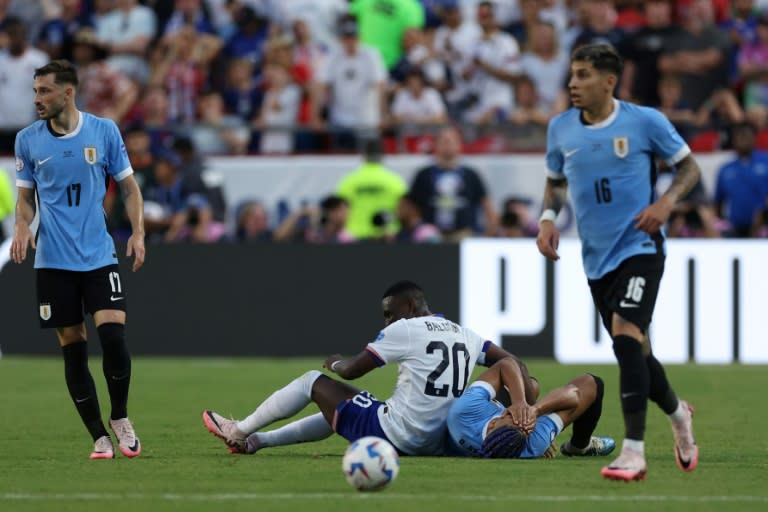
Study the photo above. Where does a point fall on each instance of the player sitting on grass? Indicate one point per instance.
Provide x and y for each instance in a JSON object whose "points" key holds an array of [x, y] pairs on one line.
{"points": [[436, 358], [479, 426]]}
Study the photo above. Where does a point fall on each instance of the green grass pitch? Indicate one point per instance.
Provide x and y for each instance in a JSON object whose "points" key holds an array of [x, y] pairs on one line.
{"points": [[44, 465]]}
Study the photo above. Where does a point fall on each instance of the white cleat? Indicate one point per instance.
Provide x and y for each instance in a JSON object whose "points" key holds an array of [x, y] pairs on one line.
{"points": [[686, 451], [629, 466], [226, 430], [129, 444], [103, 449]]}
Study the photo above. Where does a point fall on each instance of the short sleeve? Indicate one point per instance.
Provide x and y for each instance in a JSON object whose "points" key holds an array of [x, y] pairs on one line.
{"points": [[118, 164], [421, 188], [479, 191], [147, 24], [510, 55], [414, 16], [392, 344], [665, 141], [554, 156], [24, 177], [398, 107], [436, 105], [379, 69]]}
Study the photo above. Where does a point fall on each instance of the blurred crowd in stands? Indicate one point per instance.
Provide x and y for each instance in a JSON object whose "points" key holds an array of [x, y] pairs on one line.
{"points": [[189, 78]]}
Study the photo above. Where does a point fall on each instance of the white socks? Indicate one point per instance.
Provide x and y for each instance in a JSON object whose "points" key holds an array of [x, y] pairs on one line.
{"points": [[281, 404], [634, 445], [311, 428], [679, 415]]}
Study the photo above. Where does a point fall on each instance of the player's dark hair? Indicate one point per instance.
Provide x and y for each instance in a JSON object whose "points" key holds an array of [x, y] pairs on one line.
{"points": [[14, 22], [332, 202], [62, 70], [410, 290], [503, 443], [373, 150], [487, 4], [602, 56]]}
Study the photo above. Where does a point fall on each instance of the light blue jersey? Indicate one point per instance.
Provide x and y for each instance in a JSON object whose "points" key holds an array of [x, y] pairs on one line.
{"points": [[611, 171], [469, 417], [70, 175]]}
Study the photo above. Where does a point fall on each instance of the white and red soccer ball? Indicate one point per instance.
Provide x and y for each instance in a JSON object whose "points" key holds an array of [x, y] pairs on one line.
{"points": [[370, 464]]}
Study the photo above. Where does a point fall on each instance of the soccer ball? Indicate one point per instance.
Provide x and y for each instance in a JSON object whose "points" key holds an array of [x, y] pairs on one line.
{"points": [[370, 464]]}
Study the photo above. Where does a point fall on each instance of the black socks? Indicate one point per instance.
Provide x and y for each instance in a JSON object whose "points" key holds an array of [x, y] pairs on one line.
{"points": [[660, 391], [585, 425], [81, 387], [635, 382], [117, 367]]}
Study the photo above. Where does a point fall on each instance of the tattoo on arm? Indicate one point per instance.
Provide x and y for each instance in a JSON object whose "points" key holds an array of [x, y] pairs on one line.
{"points": [[686, 177], [555, 194]]}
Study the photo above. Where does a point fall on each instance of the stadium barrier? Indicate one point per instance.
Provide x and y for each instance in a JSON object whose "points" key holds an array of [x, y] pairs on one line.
{"points": [[298, 300], [283, 184]]}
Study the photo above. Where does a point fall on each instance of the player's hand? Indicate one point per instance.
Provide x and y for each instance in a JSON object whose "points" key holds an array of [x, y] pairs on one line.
{"points": [[328, 364], [654, 216], [136, 247], [548, 240], [523, 416], [22, 239], [551, 451]]}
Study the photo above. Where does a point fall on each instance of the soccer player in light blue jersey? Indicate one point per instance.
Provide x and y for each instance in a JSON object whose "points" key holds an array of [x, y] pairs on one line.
{"points": [[480, 426], [604, 151], [66, 159]]}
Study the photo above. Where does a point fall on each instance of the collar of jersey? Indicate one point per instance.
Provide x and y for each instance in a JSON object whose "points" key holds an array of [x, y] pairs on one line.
{"points": [[608, 120], [77, 129]]}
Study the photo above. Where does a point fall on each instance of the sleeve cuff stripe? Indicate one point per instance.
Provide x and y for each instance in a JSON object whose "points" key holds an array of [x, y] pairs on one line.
{"points": [[682, 153], [25, 184], [376, 357], [123, 174], [555, 175]]}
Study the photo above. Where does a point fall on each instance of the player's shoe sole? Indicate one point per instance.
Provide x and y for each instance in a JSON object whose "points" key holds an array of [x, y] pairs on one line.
{"points": [[693, 462], [214, 428], [102, 449], [627, 475]]}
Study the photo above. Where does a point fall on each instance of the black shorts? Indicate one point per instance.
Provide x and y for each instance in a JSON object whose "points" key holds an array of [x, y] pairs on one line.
{"points": [[63, 295], [630, 290]]}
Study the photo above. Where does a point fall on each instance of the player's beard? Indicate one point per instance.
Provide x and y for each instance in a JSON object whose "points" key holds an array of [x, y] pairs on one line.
{"points": [[52, 111]]}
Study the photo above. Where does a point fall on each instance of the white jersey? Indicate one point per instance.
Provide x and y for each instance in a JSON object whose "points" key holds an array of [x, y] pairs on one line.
{"points": [[17, 101], [429, 104], [500, 51], [456, 47], [354, 81], [436, 358]]}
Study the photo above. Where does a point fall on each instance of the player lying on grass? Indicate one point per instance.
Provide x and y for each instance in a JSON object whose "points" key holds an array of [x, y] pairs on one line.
{"points": [[480, 426], [436, 358]]}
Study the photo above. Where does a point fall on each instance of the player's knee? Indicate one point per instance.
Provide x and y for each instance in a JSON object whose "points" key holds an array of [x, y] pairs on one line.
{"points": [[624, 345], [309, 379], [599, 386], [111, 335]]}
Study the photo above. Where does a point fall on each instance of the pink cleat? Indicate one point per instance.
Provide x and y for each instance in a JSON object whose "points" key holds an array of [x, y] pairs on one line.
{"points": [[629, 466], [102, 449], [686, 451], [128, 443], [226, 430]]}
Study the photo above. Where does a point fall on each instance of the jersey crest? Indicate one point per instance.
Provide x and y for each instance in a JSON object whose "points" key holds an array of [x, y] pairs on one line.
{"points": [[621, 146], [45, 311], [90, 154]]}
